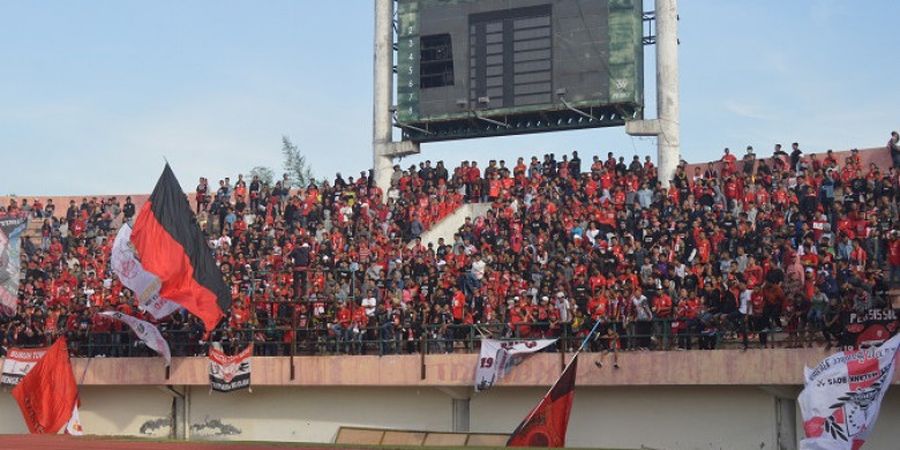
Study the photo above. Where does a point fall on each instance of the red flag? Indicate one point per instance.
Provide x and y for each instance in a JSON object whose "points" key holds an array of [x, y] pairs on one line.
{"points": [[172, 247], [546, 424], [48, 394]]}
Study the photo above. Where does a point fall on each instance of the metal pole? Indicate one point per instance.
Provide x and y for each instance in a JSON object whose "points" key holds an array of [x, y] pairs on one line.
{"points": [[293, 335], [382, 121], [667, 97]]}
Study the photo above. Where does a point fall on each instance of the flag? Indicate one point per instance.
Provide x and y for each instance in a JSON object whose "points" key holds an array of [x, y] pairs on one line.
{"points": [[18, 363], [842, 396], [146, 332], [11, 226], [546, 424], [73, 426], [131, 273], [229, 373], [173, 248], [47, 395], [499, 357]]}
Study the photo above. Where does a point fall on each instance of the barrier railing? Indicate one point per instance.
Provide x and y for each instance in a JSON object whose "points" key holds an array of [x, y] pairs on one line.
{"points": [[323, 338]]}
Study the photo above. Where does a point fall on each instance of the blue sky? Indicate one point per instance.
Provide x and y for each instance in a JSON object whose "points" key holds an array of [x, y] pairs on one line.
{"points": [[94, 94]]}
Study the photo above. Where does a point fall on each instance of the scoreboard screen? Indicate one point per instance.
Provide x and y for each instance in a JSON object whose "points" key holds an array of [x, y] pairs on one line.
{"points": [[475, 68]]}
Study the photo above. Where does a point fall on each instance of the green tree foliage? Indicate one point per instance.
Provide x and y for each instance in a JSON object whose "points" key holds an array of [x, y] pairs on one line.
{"points": [[265, 174], [298, 171]]}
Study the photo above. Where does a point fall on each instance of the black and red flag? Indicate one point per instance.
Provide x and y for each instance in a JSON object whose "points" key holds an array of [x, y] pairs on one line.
{"points": [[546, 424], [171, 246]]}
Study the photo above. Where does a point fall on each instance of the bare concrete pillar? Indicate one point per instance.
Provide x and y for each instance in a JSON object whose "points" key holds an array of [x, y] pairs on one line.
{"points": [[382, 93], [669, 137]]}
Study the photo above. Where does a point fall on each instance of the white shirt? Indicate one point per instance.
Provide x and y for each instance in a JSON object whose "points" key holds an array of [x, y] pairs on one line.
{"points": [[478, 269], [369, 304], [745, 307]]}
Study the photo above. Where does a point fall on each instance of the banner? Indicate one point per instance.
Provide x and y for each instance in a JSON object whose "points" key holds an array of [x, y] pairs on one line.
{"points": [[48, 395], [499, 357], [229, 373], [871, 328], [547, 423], [146, 332], [131, 273], [18, 362], [842, 396], [10, 229]]}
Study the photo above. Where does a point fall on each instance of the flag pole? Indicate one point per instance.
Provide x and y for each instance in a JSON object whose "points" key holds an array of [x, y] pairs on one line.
{"points": [[585, 341]]}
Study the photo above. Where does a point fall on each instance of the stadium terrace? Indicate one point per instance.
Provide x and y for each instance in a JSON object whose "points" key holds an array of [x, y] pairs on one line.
{"points": [[749, 252]]}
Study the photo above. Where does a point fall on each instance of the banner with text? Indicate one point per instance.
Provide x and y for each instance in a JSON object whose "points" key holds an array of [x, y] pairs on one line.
{"points": [[499, 357], [18, 362], [842, 396], [229, 373]]}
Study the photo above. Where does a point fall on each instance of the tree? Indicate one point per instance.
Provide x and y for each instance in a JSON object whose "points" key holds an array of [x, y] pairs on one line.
{"points": [[298, 172], [265, 174]]}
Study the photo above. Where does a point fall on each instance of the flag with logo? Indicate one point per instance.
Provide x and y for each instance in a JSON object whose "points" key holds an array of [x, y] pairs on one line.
{"points": [[47, 395], [546, 424], [842, 396], [146, 332], [229, 373], [11, 227], [18, 362], [131, 273], [499, 357], [172, 247], [871, 327]]}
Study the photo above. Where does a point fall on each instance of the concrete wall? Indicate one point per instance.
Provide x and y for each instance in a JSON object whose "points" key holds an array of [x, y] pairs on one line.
{"points": [[654, 417], [448, 226], [143, 411], [664, 400], [659, 417], [775, 367]]}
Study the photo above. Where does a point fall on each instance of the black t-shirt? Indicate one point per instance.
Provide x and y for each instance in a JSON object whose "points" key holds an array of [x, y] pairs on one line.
{"points": [[300, 256]]}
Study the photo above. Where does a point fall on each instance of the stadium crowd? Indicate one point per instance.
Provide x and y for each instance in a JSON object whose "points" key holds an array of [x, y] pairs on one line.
{"points": [[732, 253]]}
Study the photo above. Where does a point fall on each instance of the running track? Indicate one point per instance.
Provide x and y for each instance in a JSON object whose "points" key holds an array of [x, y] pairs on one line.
{"points": [[63, 442]]}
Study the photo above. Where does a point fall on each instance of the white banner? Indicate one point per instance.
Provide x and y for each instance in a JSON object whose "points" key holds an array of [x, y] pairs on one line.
{"points": [[132, 274], [18, 362], [146, 332], [842, 396], [498, 358]]}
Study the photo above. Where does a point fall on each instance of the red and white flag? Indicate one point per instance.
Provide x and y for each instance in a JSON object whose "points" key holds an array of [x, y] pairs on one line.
{"points": [[131, 273], [842, 396], [48, 395], [546, 424]]}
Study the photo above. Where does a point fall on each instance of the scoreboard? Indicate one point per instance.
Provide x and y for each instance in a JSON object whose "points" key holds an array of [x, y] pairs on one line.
{"points": [[476, 68]]}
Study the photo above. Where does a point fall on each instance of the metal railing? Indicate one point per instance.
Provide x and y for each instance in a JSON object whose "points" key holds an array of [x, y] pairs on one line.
{"points": [[323, 338]]}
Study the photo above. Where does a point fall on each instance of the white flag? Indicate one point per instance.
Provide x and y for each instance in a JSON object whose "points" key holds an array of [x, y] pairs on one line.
{"points": [[131, 273], [842, 396], [498, 358], [73, 426], [146, 332]]}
